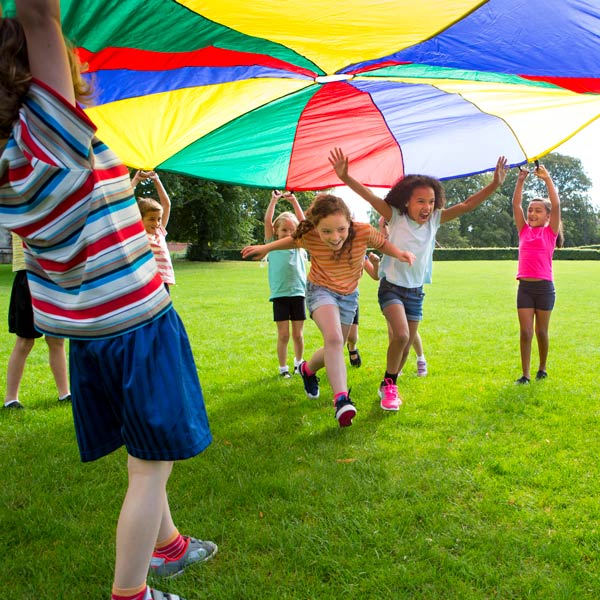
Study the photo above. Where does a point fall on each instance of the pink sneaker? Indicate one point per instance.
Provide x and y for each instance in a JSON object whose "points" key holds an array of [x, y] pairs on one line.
{"points": [[388, 393], [421, 368]]}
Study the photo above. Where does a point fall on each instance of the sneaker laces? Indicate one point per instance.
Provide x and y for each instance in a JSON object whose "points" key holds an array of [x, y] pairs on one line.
{"points": [[390, 389]]}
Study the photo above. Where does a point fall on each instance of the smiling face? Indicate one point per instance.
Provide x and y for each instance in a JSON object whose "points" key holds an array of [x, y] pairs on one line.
{"points": [[285, 228], [537, 214], [421, 204], [333, 230], [152, 220]]}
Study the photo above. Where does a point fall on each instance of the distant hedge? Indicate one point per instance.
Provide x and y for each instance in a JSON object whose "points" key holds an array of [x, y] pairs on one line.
{"points": [[448, 254], [510, 254]]}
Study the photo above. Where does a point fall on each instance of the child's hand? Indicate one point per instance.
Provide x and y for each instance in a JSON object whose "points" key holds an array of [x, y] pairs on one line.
{"points": [[339, 162], [408, 257], [542, 173], [523, 173], [501, 170], [276, 195], [374, 258], [256, 252]]}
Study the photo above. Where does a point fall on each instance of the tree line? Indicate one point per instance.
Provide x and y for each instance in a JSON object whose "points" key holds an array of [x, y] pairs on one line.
{"points": [[210, 215]]}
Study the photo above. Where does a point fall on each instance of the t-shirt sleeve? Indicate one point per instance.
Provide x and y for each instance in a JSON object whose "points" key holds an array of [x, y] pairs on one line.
{"points": [[48, 155], [376, 238]]}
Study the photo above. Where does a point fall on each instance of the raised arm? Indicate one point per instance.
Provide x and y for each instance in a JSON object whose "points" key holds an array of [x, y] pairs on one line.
{"points": [[517, 199], [275, 195], [472, 202], [163, 197], [339, 162], [291, 198], [261, 250], [543, 174], [46, 47]]}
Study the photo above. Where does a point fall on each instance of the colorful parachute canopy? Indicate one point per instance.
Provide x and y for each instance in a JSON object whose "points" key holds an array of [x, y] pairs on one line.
{"points": [[257, 92]]}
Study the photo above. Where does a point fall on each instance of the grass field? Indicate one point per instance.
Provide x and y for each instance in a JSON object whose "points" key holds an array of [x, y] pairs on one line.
{"points": [[477, 488]]}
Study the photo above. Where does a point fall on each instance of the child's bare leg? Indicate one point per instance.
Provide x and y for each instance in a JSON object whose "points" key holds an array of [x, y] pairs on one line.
{"points": [[298, 339], [58, 364], [283, 338], [16, 366], [413, 327], [327, 318], [542, 321], [142, 518], [352, 339], [526, 335], [399, 336], [417, 344]]}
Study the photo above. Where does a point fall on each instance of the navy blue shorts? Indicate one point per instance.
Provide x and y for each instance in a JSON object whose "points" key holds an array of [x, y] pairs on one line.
{"points": [[141, 390], [539, 295]]}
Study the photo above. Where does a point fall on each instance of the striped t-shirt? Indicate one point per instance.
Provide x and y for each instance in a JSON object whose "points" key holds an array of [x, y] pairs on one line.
{"points": [[340, 274], [90, 268], [162, 256]]}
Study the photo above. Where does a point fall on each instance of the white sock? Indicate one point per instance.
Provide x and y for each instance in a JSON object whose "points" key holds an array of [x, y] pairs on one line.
{"points": [[422, 357], [283, 369], [297, 361], [8, 402]]}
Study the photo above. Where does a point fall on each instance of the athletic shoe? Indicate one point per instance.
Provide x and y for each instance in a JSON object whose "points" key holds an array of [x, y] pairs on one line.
{"points": [[355, 359], [197, 551], [15, 404], [311, 382], [158, 595], [285, 374], [421, 368], [388, 392], [522, 380], [67, 398], [297, 369], [345, 410], [541, 374]]}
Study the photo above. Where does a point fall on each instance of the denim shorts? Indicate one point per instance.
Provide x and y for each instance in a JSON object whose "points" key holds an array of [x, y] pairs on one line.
{"points": [[317, 296], [410, 298]]}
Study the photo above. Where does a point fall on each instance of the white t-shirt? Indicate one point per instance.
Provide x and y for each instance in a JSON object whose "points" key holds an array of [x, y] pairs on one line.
{"points": [[407, 234]]}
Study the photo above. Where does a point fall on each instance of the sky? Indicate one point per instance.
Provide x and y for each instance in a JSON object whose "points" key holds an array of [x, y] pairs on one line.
{"points": [[585, 146]]}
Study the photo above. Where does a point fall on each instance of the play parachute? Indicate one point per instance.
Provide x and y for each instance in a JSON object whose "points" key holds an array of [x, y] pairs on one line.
{"points": [[256, 93]]}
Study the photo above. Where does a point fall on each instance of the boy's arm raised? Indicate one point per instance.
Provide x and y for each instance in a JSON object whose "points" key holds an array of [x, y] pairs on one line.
{"points": [[275, 195], [46, 47], [339, 162]]}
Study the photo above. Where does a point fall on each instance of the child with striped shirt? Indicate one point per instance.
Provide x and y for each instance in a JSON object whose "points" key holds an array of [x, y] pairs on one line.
{"points": [[93, 279], [337, 247], [155, 217]]}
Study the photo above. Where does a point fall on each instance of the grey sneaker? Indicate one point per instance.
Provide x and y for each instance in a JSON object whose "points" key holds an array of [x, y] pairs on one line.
{"points": [[197, 551], [158, 595]]}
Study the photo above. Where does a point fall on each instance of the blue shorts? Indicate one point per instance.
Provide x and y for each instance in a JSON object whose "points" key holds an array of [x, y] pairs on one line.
{"points": [[410, 298], [317, 296], [141, 390]]}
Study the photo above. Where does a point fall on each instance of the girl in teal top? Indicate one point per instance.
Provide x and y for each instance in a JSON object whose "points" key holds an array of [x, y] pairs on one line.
{"points": [[287, 281]]}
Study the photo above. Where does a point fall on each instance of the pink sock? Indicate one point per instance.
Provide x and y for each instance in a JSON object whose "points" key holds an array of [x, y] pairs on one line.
{"points": [[174, 548], [130, 594], [306, 370]]}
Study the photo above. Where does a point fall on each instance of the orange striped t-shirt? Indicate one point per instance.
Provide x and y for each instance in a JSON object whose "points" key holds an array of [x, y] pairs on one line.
{"points": [[342, 274]]}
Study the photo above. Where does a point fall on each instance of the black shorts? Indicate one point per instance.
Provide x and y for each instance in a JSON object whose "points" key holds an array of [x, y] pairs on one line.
{"points": [[539, 295], [20, 311], [289, 308]]}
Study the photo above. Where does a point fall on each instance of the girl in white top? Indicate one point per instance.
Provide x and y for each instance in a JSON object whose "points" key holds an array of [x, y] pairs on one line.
{"points": [[414, 209]]}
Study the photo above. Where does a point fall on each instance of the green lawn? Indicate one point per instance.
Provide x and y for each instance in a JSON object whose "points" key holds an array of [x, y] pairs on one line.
{"points": [[477, 488]]}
